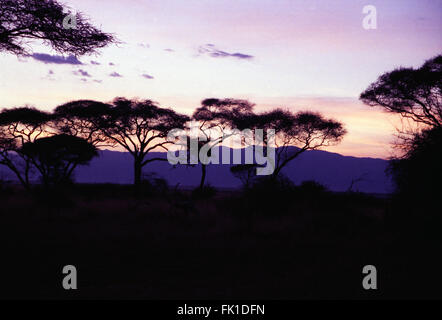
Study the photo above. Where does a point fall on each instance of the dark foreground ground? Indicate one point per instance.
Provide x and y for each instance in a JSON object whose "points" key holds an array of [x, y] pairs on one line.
{"points": [[298, 244]]}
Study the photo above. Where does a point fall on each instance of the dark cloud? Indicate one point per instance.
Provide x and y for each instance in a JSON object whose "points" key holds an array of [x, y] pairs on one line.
{"points": [[111, 64], [241, 55], [147, 76], [95, 63], [115, 75], [51, 72], [212, 51], [81, 72], [47, 58]]}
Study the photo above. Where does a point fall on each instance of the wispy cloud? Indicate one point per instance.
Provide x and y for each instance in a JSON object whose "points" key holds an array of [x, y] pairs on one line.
{"points": [[212, 51], [115, 75], [147, 76], [169, 50], [111, 63], [95, 63], [144, 45], [49, 75], [47, 58], [81, 72]]}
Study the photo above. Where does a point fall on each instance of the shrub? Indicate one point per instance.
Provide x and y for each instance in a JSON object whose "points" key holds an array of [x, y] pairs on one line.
{"points": [[312, 187], [205, 192], [153, 185], [270, 196]]}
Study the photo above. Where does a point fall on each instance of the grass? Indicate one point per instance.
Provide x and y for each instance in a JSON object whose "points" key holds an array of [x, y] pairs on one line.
{"points": [[127, 243]]}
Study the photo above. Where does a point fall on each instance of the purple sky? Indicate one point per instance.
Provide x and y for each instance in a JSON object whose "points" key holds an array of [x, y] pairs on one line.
{"points": [[304, 54]]}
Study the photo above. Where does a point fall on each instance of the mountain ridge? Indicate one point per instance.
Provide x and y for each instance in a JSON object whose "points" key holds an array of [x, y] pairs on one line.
{"points": [[335, 171]]}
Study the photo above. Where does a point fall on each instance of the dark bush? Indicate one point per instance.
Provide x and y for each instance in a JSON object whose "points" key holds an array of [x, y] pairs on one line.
{"points": [[152, 185], [312, 187], [270, 196], [418, 178], [205, 192]]}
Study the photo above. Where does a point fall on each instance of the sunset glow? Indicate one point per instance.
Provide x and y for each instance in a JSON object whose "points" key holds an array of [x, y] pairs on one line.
{"points": [[300, 55]]}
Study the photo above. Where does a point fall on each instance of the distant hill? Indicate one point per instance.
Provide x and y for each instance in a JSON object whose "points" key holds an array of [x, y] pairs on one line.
{"points": [[330, 169]]}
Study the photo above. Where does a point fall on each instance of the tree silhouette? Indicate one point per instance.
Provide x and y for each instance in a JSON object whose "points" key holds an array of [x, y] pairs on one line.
{"points": [[415, 94], [419, 171], [140, 126], [56, 157], [244, 172], [417, 177], [19, 126], [303, 130], [83, 119], [25, 20], [216, 120]]}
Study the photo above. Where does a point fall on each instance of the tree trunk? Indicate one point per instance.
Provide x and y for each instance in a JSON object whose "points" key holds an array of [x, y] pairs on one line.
{"points": [[24, 181], [137, 172], [275, 173], [279, 167], [203, 175]]}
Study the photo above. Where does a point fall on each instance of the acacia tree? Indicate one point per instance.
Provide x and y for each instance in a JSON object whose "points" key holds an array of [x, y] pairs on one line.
{"points": [[56, 157], [245, 173], [19, 126], [296, 133], [24, 20], [83, 119], [217, 118], [414, 94], [140, 126]]}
